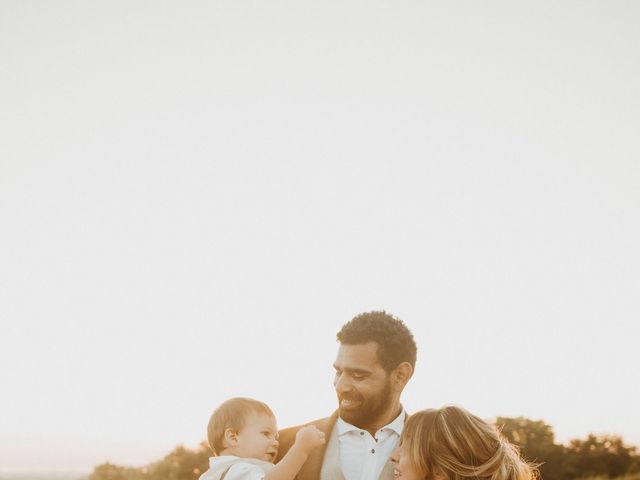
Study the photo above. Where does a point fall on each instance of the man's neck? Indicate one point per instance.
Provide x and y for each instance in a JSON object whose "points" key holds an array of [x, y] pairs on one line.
{"points": [[389, 416]]}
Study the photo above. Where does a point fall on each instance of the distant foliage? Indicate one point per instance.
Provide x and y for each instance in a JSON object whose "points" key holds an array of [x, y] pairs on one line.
{"points": [[109, 471], [180, 464], [537, 444], [593, 458], [601, 455]]}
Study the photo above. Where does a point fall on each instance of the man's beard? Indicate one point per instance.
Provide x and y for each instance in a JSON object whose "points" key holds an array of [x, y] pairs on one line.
{"points": [[370, 409]]}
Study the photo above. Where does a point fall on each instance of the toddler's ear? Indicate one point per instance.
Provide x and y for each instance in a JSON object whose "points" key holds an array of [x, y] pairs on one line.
{"points": [[230, 438]]}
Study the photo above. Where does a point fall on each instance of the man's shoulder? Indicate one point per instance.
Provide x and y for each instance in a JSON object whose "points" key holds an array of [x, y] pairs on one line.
{"points": [[320, 423], [287, 436]]}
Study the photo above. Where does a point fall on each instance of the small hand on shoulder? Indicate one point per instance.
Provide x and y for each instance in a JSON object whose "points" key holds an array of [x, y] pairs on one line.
{"points": [[309, 437]]}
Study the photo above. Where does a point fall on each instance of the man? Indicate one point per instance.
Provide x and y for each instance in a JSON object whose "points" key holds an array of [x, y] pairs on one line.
{"points": [[375, 360]]}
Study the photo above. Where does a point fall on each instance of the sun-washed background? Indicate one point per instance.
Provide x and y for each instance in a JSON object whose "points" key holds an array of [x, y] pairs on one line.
{"points": [[194, 197]]}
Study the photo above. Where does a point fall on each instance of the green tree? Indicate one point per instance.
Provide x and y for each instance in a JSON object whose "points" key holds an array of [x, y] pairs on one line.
{"points": [[109, 471], [601, 455], [536, 441], [181, 464]]}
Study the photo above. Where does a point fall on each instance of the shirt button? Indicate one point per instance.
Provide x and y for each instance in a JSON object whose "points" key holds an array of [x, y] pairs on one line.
{"points": [[373, 450], [361, 433]]}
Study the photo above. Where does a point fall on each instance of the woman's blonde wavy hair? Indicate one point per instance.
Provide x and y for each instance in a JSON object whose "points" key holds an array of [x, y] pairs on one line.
{"points": [[460, 446]]}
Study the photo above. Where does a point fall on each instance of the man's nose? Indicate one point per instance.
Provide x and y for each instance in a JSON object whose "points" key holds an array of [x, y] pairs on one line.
{"points": [[276, 443], [342, 383]]}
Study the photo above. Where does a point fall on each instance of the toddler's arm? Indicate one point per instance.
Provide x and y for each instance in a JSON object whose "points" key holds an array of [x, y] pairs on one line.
{"points": [[307, 439]]}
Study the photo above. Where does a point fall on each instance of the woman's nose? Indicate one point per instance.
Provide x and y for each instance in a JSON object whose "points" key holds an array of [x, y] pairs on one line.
{"points": [[395, 455]]}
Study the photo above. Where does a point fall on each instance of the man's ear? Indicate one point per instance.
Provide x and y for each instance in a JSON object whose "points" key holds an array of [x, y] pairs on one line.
{"points": [[230, 438], [401, 375]]}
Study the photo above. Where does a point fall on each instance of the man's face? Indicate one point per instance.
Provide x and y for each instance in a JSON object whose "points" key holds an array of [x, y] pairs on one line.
{"points": [[258, 438], [362, 384]]}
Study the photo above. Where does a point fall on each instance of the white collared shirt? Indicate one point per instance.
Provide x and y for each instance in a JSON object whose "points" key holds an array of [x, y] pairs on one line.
{"points": [[236, 468], [362, 457]]}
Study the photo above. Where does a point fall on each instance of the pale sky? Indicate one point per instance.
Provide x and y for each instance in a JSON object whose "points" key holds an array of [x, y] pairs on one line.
{"points": [[195, 196]]}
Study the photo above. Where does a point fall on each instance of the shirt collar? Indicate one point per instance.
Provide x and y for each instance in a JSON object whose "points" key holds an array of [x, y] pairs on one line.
{"points": [[396, 425]]}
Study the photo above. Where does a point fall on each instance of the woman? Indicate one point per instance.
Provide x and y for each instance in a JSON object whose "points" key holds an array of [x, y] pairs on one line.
{"points": [[452, 444]]}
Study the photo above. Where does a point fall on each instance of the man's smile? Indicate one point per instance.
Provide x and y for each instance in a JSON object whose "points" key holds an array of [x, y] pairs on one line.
{"points": [[348, 403]]}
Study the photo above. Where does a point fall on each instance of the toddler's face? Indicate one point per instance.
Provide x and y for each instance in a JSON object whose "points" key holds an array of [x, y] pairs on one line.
{"points": [[258, 438]]}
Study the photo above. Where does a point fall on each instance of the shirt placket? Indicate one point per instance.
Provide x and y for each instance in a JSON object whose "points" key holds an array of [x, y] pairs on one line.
{"points": [[369, 445]]}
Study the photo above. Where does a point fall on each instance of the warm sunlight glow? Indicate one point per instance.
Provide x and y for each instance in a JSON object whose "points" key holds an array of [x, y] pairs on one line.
{"points": [[194, 199]]}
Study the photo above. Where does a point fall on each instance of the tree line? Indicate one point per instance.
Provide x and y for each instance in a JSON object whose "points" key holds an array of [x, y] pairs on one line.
{"points": [[603, 456], [595, 457]]}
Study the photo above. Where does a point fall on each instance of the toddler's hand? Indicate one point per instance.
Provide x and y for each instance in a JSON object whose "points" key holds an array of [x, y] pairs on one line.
{"points": [[309, 437]]}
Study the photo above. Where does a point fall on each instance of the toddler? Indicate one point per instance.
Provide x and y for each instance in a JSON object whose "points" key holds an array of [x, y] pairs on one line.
{"points": [[243, 436]]}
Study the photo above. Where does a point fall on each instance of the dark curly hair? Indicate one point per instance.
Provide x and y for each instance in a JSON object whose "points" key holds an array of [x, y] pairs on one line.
{"points": [[395, 341]]}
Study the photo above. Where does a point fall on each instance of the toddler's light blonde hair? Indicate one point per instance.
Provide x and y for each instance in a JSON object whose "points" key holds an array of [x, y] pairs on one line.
{"points": [[232, 414], [460, 446]]}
